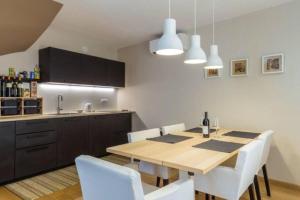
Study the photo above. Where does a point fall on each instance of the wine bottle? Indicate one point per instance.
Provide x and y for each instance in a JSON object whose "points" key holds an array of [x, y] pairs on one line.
{"points": [[206, 123], [20, 88], [14, 88], [8, 87], [3, 87]]}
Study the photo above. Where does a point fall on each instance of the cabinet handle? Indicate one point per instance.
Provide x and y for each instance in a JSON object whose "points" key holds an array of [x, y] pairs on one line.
{"points": [[39, 122], [37, 149], [5, 126], [37, 136]]}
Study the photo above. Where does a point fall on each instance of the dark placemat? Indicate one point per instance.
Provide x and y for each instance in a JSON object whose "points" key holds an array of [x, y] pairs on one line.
{"points": [[172, 139], [242, 134], [199, 130], [216, 145]]}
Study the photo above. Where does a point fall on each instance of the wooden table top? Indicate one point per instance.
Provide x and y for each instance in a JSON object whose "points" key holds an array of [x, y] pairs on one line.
{"points": [[181, 155]]}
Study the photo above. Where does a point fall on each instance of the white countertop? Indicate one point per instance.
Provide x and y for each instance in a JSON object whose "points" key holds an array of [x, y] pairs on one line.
{"points": [[62, 115]]}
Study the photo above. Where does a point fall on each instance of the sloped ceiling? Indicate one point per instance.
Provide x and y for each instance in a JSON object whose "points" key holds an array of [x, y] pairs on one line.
{"points": [[23, 21]]}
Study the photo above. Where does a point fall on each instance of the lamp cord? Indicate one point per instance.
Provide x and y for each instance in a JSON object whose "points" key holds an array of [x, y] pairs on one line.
{"points": [[195, 17], [213, 21], [169, 8]]}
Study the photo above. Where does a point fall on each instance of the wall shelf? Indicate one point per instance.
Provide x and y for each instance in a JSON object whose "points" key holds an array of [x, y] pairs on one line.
{"points": [[20, 106]]}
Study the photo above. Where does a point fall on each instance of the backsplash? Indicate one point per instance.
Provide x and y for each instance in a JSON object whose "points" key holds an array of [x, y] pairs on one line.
{"points": [[75, 97]]}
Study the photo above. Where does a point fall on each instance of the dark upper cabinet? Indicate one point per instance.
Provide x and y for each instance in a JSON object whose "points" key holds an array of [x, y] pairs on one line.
{"points": [[116, 73], [95, 71], [63, 66], [7, 151], [73, 139]]}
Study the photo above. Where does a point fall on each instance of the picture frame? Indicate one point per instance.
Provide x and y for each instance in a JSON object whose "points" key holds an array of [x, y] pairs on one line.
{"points": [[212, 73], [273, 63], [239, 67]]}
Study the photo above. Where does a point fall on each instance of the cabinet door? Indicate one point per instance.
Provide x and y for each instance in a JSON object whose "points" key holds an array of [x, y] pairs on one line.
{"points": [[100, 129], [64, 66], [36, 159], [95, 71], [121, 126], [7, 151], [72, 139], [116, 73]]}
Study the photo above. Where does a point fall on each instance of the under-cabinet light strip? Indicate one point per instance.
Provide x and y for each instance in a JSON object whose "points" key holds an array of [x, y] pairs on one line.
{"points": [[62, 86]]}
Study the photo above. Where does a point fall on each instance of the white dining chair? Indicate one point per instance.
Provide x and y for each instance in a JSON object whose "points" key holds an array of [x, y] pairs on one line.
{"points": [[149, 168], [173, 128], [266, 138], [102, 180], [230, 183]]}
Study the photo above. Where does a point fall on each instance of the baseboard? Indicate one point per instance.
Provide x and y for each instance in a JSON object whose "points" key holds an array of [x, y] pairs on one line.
{"points": [[282, 183]]}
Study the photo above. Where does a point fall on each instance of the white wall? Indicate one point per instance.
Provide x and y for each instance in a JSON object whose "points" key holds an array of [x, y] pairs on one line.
{"points": [[69, 41], [165, 91]]}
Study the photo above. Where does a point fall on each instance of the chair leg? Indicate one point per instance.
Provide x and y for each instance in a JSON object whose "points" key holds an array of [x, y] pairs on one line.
{"points": [[257, 190], [165, 182], [265, 172], [251, 193], [207, 197], [157, 181]]}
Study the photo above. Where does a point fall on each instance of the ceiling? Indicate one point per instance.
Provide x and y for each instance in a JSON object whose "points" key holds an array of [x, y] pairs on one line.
{"points": [[121, 23]]}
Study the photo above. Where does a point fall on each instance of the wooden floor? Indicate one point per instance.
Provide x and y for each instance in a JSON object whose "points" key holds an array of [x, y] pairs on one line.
{"points": [[279, 192]]}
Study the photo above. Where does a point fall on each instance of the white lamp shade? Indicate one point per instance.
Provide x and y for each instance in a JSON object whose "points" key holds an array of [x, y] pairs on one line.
{"points": [[169, 44], [214, 60], [195, 54]]}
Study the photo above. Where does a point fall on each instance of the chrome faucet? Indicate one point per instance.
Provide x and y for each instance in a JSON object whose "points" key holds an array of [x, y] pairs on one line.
{"points": [[59, 100]]}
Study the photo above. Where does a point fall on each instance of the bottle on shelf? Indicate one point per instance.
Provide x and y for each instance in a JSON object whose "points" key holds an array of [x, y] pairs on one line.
{"points": [[206, 124], [8, 87], [20, 88], [3, 87], [14, 88], [36, 72]]}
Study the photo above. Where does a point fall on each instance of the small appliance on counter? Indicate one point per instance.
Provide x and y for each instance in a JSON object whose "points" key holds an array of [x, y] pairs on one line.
{"points": [[88, 107]]}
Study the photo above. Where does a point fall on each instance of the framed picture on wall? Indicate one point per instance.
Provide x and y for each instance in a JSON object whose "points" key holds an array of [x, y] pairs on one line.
{"points": [[272, 64], [212, 73], [239, 67]]}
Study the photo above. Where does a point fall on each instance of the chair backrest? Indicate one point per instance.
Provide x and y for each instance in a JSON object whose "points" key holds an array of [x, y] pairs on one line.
{"points": [[173, 128], [103, 180], [266, 138], [143, 135], [247, 164]]}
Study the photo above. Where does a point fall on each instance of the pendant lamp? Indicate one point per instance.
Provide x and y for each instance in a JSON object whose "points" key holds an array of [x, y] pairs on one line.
{"points": [[214, 60], [169, 44], [195, 54]]}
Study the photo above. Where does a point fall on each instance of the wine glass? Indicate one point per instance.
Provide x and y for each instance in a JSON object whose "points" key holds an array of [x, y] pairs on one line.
{"points": [[216, 125]]}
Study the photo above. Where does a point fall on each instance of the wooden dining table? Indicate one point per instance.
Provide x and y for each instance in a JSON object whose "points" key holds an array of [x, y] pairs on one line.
{"points": [[181, 155]]}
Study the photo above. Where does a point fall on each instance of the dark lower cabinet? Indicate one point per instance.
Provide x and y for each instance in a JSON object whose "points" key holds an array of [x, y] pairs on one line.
{"points": [[73, 139], [31, 147], [107, 131], [36, 159], [99, 131], [121, 125], [7, 151]]}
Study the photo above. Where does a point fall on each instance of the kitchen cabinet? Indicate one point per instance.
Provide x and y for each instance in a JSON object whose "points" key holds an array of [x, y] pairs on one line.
{"points": [[116, 73], [73, 139], [30, 147], [63, 66], [107, 131], [120, 126], [35, 146], [7, 151], [33, 160]]}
